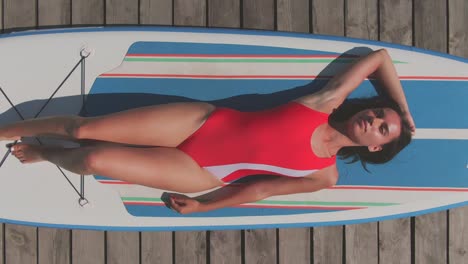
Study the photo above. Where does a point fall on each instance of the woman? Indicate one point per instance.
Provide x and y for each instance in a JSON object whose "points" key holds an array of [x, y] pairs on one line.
{"points": [[192, 147]]}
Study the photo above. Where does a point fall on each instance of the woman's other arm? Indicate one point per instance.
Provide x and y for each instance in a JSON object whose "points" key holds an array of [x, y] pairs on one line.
{"points": [[254, 191]]}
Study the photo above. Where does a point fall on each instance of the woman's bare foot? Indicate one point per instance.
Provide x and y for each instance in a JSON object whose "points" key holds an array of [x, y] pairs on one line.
{"points": [[27, 153]]}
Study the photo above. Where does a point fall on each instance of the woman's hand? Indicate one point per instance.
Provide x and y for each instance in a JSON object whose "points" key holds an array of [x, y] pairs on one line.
{"points": [[410, 120], [183, 204]]}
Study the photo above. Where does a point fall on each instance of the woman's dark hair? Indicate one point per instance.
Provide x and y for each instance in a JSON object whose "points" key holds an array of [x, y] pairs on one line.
{"points": [[362, 153]]}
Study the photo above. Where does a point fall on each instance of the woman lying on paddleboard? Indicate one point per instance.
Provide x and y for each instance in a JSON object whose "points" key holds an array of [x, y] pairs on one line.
{"points": [[193, 147]]}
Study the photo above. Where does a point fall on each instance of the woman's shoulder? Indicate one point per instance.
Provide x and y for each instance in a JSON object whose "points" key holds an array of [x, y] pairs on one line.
{"points": [[317, 103], [311, 104]]}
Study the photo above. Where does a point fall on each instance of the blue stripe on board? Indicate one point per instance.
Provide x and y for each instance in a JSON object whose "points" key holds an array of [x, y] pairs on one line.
{"points": [[102, 178], [425, 163], [168, 227], [434, 104], [250, 32], [162, 211], [214, 49]]}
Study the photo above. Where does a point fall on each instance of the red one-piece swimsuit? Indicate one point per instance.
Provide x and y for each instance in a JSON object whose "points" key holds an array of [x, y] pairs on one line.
{"points": [[232, 144]]}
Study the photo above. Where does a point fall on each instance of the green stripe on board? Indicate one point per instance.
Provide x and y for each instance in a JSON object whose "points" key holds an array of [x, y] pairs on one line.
{"points": [[235, 60], [143, 199]]}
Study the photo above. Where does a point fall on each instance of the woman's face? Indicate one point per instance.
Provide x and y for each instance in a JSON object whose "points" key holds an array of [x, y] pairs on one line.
{"points": [[374, 127]]}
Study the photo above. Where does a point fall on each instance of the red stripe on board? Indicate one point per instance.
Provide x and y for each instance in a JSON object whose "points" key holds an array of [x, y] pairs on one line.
{"points": [[214, 76], [114, 182], [422, 189], [205, 76], [238, 56], [413, 189], [298, 207], [261, 206], [435, 77]]}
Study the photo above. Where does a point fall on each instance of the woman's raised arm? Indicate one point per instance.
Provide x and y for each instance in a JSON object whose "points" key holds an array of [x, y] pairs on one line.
{"points": [[254, 191], [341, 85]]}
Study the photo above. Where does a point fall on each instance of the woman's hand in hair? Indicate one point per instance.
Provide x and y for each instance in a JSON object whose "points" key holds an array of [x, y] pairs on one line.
{"points": [[410, 120]]}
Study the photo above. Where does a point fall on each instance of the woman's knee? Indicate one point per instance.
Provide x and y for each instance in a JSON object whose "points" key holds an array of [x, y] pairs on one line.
{"points": [[92, 160], [80, 127]]}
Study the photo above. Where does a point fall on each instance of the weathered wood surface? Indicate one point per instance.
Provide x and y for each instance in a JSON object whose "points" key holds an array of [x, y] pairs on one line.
{"points": [[156, 12], [434, 238], [430, 32], [458, 45], [396, 27], [225, 247], [328, 19]]}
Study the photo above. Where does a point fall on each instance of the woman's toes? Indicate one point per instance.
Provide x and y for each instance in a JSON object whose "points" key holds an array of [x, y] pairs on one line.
{"points": [[27, 153]]}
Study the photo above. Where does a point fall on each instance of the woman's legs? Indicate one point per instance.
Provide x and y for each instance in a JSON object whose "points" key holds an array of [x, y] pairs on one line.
{"points": [[161, 125], [157, 167]]}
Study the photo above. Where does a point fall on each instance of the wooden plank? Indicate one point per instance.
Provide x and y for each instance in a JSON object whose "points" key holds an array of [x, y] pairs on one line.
{"points": [[396, 27], [431, 238], [156, 12], [88, 246], [458, 45], [54, 12], [458, 234], [1, 14], [361, 19], [20, 244], [2, 229], [156, 247], [260, 246], [293, 15], [190, 247], [396, 21], [430, 24], [2, 243], [395, 241], [54, 246], [225, 247], [19, 14], [122, 12], [258, 14], [362, 240], [225, 13], [294, 245], [328, 17], [430, 33], [190, 13], [458, 31], [89, 12], [123, 247], [362, 243], [328, 244]]}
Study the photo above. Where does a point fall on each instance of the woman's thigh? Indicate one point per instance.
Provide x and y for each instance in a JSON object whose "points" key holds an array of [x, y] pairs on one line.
{"points": [[158, 167], [161, 125]]}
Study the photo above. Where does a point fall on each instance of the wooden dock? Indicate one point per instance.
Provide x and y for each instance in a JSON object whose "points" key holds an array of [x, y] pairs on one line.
{"points": [[442, 237]]}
